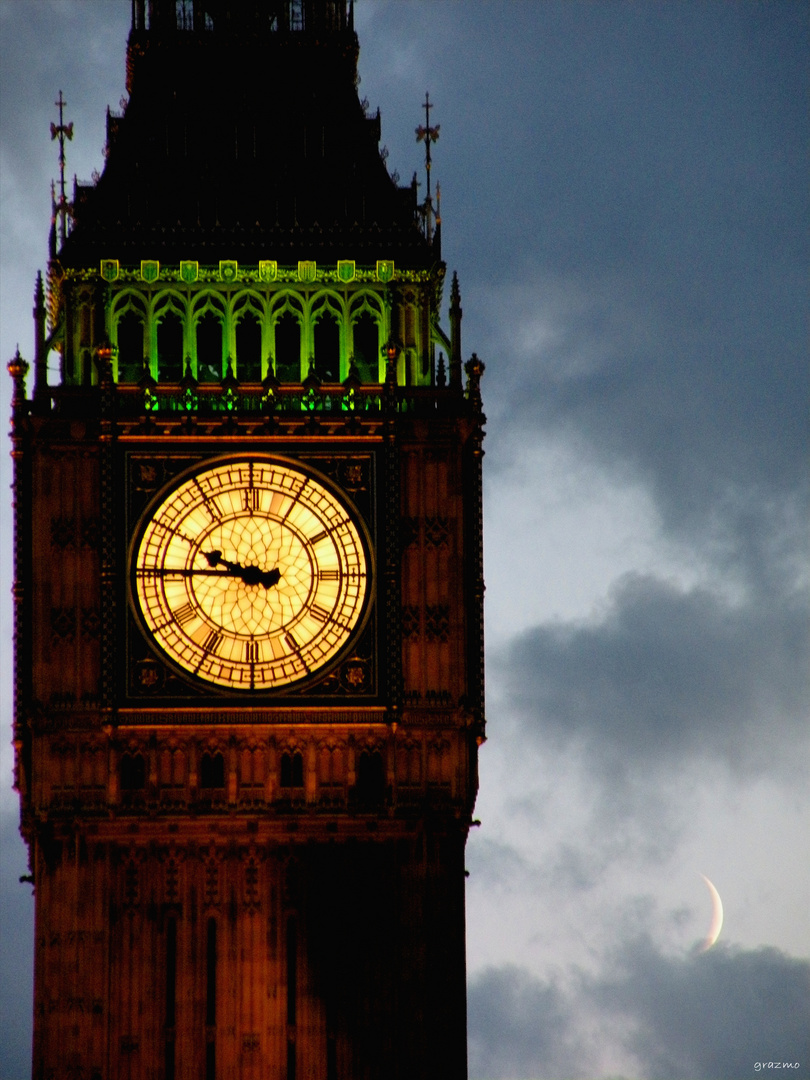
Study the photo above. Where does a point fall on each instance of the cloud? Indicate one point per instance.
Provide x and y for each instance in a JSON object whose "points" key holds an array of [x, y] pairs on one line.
{"points": [[498, 865], [709, 1016], [697, 1017], [29, 80], [520, 1026], [712, 421], [656, 320], [664, 676], [16, 940]]}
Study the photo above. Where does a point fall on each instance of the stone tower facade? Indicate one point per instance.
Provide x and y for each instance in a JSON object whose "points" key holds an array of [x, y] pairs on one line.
{"points": [[248, 580]]}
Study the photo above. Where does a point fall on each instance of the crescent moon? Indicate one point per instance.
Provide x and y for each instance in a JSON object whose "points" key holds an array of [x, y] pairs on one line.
{"points": [[717, 917]]}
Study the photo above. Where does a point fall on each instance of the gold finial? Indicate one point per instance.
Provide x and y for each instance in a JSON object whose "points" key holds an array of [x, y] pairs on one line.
{"points": [[17, 369]]}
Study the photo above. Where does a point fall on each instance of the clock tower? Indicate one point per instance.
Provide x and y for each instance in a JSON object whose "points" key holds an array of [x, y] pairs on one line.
{"points": [[248, 579]]}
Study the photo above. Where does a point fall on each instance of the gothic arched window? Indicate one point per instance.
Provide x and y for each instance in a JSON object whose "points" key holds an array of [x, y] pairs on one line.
{"points": [[288, 348], [292, 770], [133, 772], [209, 348], [367, 347], [249, 349], [212, 771], [327, 348], [370, 777], [170, 347], [130, 347]]}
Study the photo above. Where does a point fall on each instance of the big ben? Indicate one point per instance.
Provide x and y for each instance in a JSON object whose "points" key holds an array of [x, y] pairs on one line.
{"points": [[248, 579]]}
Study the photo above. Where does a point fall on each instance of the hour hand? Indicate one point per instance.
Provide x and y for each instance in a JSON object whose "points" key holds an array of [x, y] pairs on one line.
{"points": [[214, 558], [251, 575]]}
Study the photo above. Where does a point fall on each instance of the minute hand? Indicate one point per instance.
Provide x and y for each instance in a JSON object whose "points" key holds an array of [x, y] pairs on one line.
{"points": [[251, 575]]}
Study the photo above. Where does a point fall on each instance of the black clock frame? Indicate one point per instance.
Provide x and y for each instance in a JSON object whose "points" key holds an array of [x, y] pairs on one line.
{"points": [[144, 677]]}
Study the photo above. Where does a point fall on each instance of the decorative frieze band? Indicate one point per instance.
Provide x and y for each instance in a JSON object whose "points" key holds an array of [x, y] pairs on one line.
{"points": [[265, 271]]}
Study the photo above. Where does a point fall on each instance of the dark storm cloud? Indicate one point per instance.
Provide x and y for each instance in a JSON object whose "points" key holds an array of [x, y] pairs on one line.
{"points": [[709, 1016], [712, 1016], [712, 423], [520, 1026], [645, 192], [666, 675]]}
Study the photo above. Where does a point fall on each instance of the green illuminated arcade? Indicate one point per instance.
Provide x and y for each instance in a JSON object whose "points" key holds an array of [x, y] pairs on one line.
{"points": [[243, 140]]}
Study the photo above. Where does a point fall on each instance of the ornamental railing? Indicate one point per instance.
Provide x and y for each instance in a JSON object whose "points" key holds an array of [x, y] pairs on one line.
{"points": [[172, 399], [188, 397]]}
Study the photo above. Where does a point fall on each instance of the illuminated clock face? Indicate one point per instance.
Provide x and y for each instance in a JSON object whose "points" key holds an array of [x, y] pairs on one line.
{"points": [[251, 574]]}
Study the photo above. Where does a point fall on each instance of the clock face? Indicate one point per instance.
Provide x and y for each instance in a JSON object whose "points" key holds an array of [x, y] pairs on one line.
{"points": [[251, 574]]}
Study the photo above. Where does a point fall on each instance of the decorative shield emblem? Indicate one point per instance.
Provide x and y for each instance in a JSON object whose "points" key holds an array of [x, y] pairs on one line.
{"points": [[307, 270], [345, 270], [150, 269], [148, 676], [228, 269], [109, 269], [385, 269], [354, 675], [268, 270], [189, 270]]}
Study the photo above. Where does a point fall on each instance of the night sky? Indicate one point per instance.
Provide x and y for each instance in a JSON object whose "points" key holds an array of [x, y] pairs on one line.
{"points": [[625, 199]]}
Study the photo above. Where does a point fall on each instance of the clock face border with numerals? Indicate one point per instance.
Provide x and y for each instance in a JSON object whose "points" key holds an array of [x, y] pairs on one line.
{"points": [[251, 573]]}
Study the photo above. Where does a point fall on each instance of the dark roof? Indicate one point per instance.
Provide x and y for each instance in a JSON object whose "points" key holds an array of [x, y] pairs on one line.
{"points": [[244, 146]]}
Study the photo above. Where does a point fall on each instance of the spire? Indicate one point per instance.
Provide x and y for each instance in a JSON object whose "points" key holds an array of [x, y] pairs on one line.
{"points": [[428, 135], [455, 333], [61, 206], [40, 353]]}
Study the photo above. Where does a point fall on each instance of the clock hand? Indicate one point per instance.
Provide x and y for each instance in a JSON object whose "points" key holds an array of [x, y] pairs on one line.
{"points": [[251, 575]]}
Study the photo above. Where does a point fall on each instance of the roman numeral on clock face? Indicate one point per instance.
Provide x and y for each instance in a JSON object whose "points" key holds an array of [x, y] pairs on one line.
{"points": [[319, 613], [251, 652], [207, 503], [251, 499], [211, 643], [328, 575], [184, 614]]}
